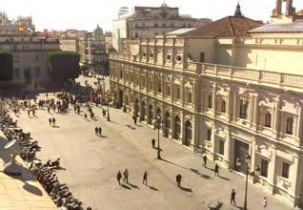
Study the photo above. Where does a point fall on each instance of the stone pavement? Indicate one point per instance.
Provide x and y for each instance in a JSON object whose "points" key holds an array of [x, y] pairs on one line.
{"points": [[92, 163], [21, 192]]}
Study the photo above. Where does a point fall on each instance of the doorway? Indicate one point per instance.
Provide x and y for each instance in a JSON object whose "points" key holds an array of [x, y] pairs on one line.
{"points": [[241, 151]]}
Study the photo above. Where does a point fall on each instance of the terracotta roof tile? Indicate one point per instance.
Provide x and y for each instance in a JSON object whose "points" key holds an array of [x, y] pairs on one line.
{"points": [[226, 27]]}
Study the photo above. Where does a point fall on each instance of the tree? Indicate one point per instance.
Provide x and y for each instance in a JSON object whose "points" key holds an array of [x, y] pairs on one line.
{"points": [[63, 65], [6, 66]]}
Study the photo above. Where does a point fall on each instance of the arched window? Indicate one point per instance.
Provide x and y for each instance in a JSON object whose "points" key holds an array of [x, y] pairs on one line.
{"points": [[243, 109], [267, 122], [223, 106], [289, 125], [210, 101]]}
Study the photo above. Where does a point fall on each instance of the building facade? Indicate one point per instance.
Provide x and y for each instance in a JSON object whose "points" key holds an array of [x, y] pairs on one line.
{"points": [[150, 22], [29, 51], [210, 99]]}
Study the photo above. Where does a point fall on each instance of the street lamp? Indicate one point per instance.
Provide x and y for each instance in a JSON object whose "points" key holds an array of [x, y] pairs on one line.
{"points": [[158, 149], [247, 160]]}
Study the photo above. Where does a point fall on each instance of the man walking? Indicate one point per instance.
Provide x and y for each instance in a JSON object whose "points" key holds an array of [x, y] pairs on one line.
{"points": [[233, 197], [96, 130], [145, 178], [54, 121], [264, 203], [135, 120], [50, 121], [119, 176], [178, 180], [153, 141], [217, 170], [100, 131], [125, 173], [204, 160]]}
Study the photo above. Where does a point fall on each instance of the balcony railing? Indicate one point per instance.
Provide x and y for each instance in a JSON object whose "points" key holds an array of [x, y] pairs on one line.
{"points": [[233, 73]]}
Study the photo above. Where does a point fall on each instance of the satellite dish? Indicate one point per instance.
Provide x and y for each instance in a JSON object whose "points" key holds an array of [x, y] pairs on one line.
{"points": [[12, 168]]}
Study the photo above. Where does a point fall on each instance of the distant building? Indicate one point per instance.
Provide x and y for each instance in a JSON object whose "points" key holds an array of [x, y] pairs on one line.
{"points": [[150, 22], [92, 49], [30, 68]]}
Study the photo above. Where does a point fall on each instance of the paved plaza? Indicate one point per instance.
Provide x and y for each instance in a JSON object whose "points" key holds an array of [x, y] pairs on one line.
{"points": [[92, 163]]}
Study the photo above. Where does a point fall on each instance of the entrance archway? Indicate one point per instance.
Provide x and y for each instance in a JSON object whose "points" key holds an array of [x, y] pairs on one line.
{"points": [[143, 111], [150, 114], [177, 127], [188, 133], [167, 124], [136, 107]]}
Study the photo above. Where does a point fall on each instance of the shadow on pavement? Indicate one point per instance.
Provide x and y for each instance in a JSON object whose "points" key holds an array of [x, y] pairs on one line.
{"points": [[153, 188], [225, 178], [167, 161], [186, 189], [199, 173], [56, 126], [131, 127], [32, 189], [126, 187], [133, 186]]}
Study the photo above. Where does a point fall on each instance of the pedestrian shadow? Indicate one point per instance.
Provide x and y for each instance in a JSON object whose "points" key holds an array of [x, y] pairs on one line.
{"points": [[56, 126], [239, 207], [167, 161], [225, 178], [131, 127], [133, 186], [126, 187], [139, 125], [153, 188], [32, 189], [186, 189], [199, 173], [103, 136]]}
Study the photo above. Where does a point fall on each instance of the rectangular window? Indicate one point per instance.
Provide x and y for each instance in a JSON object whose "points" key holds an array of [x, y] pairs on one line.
{"points": [[221, 147], [208, 137], [285, 170], [202, 57], [264, 167], [17, 73]]}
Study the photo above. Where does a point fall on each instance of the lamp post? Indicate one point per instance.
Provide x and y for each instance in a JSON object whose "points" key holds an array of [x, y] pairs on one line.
{"points": [[158, 149], [247, 159]]}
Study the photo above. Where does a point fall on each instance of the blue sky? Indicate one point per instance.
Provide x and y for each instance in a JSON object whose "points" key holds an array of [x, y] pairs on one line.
{"points": [[86, 14]]}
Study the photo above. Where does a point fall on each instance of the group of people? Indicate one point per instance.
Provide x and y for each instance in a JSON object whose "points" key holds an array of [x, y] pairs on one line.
{"points": [[126, 174], [98, 131], [52, 121]]}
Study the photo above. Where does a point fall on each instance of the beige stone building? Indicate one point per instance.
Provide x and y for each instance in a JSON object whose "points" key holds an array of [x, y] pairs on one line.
{"points": [[150, 22], [231, 89], [29, 52]]}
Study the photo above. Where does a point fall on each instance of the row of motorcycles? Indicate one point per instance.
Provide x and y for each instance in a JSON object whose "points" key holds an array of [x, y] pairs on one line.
{"points": [[45, 173]]}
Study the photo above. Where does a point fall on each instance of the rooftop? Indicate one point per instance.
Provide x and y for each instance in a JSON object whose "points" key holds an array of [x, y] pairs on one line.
{"points": [[295, 27], [229, 26]]}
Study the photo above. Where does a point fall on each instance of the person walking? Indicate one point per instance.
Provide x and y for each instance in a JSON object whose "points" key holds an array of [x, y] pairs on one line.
{"points": [[233, 197], [48, 109], [145, 178], [264, 203], [178, 180], [125, 173], [217, 170], [153, 141], [100, 131], [96, 130], [119, 176], [85, 116], [135, 120], [50, 121], [204, 160], [54, 121]]}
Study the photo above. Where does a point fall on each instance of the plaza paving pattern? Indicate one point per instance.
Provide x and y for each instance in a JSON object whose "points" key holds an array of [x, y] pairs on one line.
{"points": [[92, 163]]}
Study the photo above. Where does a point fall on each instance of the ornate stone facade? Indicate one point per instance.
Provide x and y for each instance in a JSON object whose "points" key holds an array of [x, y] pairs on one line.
{"points": [[225, 111]]}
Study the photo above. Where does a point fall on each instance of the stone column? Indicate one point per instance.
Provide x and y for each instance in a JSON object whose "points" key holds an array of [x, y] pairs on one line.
{"points": [[272, 168], [215, 99], [299, 124], [256, 112], [234, 104], [253, 155], [213, 141], [277, 119], [227, 146]]}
